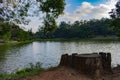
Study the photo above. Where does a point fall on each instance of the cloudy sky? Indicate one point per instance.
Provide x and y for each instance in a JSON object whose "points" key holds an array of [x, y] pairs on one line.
{"points": [[81, 10]]}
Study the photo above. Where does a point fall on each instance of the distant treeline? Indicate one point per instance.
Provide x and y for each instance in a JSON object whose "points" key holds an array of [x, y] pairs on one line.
{"points": [[79, 29]]}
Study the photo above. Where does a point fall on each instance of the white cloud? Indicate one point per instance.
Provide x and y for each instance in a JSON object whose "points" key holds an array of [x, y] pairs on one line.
{"points": [[89, 11], [85, 11], [34, 24], [68, 5]]}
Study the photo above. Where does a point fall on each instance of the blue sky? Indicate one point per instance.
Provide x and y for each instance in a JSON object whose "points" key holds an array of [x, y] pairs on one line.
{"points": [[87, 9], [75, 3]]}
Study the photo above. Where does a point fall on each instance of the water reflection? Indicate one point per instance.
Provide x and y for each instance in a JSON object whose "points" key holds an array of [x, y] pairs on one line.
{"points": [[18, 56]]}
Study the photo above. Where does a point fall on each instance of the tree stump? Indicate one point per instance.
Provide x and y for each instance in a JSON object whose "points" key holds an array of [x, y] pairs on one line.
{"points": [[93, 64]]}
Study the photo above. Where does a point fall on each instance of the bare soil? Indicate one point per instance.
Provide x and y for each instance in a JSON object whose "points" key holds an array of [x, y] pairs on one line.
{"points": [[63, 73]]}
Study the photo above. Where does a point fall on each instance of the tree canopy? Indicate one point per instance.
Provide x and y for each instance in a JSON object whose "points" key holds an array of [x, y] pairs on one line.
{"points": [[80, 29], [16, 11], [115, 15]]}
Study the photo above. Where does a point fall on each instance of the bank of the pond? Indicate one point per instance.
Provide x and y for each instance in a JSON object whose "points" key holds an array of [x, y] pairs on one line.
{"points": [[35, 72], [16, 42], [81, 39], [63, 39], [65, 73], [57, 73], [32, 70]]}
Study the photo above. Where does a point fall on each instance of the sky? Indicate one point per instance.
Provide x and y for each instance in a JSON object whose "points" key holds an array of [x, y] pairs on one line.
{"points": [[73, 4], [80, 10]]}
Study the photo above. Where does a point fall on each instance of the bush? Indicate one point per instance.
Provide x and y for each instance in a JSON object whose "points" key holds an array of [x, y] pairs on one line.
{"points": [[7, 36]]}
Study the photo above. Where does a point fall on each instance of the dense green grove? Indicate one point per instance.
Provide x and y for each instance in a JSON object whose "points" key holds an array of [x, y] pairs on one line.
{"points": [[13, 32], [115, 15], [80, 29]]}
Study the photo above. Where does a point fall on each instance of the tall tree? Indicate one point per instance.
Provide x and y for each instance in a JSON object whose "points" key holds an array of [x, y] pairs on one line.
{"points": [[115, 15]]}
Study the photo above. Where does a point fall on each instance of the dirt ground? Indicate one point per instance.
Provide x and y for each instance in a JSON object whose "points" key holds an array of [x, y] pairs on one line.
{"points": [[63, 73]]}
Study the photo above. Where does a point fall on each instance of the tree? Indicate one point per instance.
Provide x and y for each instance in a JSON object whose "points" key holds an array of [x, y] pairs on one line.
{"points": [[7, 36], [16, 11], [80, 29], [115, 15], [23, 35]]}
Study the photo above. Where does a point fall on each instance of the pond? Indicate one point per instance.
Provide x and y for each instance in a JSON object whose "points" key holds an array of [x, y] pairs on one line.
{"points": [[18, 56]]}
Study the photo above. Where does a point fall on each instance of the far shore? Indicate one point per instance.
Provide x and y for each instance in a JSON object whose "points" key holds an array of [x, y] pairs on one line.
{"points": [[106, 39], [82, 39], [14, 42]]}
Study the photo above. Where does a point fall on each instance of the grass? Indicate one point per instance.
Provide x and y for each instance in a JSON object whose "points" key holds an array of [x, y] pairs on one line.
{"points": [[32, 70]]}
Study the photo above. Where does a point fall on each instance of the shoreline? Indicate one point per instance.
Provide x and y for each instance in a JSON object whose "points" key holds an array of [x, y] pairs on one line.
{"points": [[15, 42], [83, 39], [63, 39], [62, 72]]}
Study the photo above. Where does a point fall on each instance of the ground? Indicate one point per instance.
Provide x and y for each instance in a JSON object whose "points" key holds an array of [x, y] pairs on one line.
{"points": [[63, 73]]}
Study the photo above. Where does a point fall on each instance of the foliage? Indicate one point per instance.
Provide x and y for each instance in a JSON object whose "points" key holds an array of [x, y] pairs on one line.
{"points": [[13, 12], [52, 7], [4, 28], [16, 11], [22, 35], [7, 36], [115, 15], [80, 29], [11, 31], [49, 24]]}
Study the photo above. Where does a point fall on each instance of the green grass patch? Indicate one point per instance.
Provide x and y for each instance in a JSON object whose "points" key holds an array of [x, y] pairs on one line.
{"points": [[32, 70]]}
